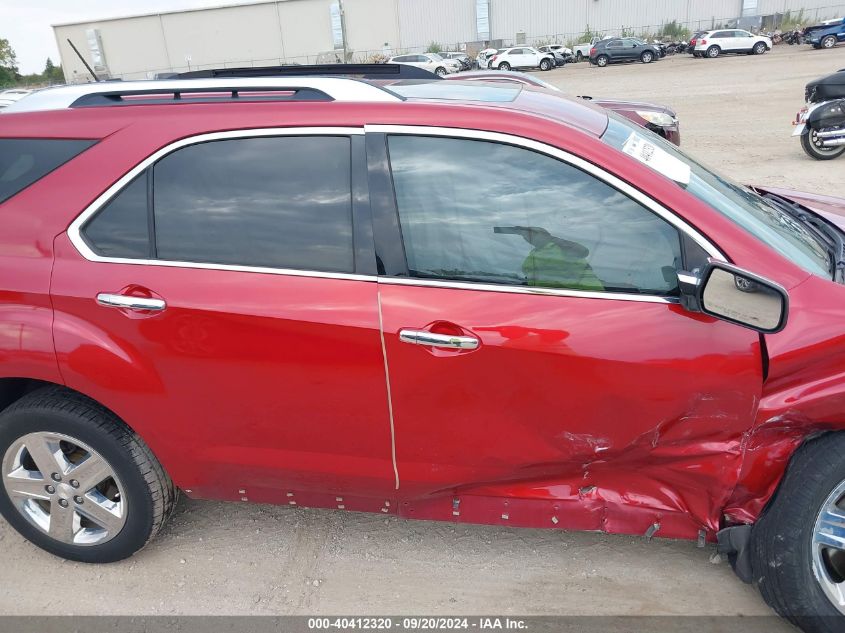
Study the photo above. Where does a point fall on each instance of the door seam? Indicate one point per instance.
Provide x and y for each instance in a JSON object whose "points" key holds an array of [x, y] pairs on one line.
{"points": [[389, 395]]}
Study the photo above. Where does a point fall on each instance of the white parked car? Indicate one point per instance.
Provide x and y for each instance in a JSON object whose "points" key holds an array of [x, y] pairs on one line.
{"points": [[715, 43], [483, 59], [430, 61], [8, 97], [521, 57]]}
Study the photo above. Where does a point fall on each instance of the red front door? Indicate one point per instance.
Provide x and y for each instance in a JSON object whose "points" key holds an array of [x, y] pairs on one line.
{"points": [[536, 345]]}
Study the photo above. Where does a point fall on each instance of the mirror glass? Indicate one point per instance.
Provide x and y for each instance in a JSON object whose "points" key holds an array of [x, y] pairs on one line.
{"points": [[743, 300]]}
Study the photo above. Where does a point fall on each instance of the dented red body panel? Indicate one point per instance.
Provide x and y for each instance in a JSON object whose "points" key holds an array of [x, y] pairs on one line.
{"points": [[577, 413]]}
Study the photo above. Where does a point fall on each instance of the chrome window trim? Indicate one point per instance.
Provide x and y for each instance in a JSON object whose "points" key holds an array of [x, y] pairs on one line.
{"points": [[575, 161], [524, 290], [74, 231], [554, 152]]}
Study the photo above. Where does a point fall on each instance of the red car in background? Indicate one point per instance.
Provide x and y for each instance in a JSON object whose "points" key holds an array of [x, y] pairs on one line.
{"points": [[286, 291], [659, 119]]}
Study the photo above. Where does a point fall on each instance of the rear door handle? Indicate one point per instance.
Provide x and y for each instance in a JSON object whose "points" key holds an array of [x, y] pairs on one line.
{"points": [[423, 337], [130, 303]]}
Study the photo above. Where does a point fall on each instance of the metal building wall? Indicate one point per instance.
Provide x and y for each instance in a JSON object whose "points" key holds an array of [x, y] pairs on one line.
{"points": [[563, 19], [446, 22]]}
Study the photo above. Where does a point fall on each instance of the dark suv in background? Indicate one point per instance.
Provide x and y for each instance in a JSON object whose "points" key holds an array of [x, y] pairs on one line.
{"points": [[623, 49]]}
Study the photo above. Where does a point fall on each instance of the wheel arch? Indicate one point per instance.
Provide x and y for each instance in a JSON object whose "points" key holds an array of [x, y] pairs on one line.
{"points": [[13, 389]]}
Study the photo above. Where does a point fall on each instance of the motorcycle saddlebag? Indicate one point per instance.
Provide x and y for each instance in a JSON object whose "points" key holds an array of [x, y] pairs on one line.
{"points": [[829, 115], [826, 88]]}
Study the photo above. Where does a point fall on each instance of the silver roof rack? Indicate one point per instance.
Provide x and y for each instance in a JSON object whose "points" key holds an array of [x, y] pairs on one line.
{"points": [[116, 92]]}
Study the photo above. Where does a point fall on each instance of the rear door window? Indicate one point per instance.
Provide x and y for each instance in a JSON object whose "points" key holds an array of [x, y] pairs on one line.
{"points": [[24, 161], [280, 202]]}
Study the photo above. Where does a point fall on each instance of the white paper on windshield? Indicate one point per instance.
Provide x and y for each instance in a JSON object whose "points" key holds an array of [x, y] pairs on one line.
{"points": [[657, 158]]}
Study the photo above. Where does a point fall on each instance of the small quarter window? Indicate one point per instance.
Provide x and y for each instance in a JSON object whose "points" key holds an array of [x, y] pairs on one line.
{"points": [[121, 228], [24, 161]]}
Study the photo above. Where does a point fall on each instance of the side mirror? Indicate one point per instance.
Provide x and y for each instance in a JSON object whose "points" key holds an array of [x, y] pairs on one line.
{"points": [[736, 295]]}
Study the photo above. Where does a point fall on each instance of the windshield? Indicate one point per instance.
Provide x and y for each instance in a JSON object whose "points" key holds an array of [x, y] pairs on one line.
{"points": [[436, 57], [768, 223]]}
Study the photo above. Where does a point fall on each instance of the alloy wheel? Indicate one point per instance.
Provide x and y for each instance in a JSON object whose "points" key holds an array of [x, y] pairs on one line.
{"points": [[829, 547], [64, 488], [829, 41]]}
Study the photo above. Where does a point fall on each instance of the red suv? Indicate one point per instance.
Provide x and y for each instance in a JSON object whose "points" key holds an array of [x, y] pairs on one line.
{"points": [[289, 291]]}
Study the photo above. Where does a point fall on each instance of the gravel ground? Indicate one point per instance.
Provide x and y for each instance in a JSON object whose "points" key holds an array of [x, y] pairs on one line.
{"points": [[217, 558]]}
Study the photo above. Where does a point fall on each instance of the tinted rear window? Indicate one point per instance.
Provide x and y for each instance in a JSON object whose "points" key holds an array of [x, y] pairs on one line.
{"points": [[24, 161]]}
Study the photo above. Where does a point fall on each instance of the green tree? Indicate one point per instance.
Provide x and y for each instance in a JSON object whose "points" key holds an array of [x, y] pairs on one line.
{"points": [[53, 74], [8, 63]]}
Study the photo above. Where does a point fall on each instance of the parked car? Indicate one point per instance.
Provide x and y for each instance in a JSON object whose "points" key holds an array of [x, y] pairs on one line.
{"points": [[559, 48], [559, 57], [825, 35], [483, 59], [623, 49], [369, 330], [521, 57], [582, 51], [12, 95], [714, 43], [428, 61], [462, 58], [659, 119]]}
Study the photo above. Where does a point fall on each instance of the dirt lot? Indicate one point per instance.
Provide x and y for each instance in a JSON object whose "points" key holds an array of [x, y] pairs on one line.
{"points": [[216, 558]]}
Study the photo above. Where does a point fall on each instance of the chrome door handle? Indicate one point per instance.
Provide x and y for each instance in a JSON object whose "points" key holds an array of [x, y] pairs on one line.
{"points": [[130, 303], [422, 337]]}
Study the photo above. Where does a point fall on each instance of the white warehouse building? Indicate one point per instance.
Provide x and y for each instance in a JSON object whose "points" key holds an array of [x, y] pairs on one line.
{"points": [[271, 32]]}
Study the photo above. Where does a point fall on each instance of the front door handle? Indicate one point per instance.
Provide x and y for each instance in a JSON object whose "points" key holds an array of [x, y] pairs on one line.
{"points": [[423, 337], [130, 303]]}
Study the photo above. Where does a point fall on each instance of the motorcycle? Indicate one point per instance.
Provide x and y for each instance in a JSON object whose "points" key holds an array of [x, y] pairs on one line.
{"points": [[821, 123], [794, 37]]}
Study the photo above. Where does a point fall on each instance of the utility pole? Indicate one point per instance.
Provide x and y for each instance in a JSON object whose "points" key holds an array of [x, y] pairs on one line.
{"points": [[343, 30]]}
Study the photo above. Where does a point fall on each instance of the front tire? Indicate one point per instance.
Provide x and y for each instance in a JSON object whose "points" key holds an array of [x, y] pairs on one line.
{"points": [[76, 481], [602, 60], [579, 56], [440, 71], [798, 546], [829, 41], [647, 57], [713, 52], [810, 144], [760, 48], [545, 64], [504, 66]]}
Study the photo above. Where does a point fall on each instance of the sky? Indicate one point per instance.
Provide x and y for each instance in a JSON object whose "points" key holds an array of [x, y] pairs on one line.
{"points": [[26, 23]]}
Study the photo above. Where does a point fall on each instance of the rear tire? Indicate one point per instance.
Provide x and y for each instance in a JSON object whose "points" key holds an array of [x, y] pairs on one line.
{"points": [[69, 425], [602, 60], [829, 41], [819, 153], [794, 572], [579, 56], [713, 52]]}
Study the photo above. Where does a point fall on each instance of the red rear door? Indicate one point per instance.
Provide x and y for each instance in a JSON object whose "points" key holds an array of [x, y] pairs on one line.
{"points": [[252, 360]]}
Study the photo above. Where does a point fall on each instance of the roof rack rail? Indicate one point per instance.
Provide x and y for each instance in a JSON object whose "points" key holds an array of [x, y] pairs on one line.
{"points": [[360, 71], [202, 91]]}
